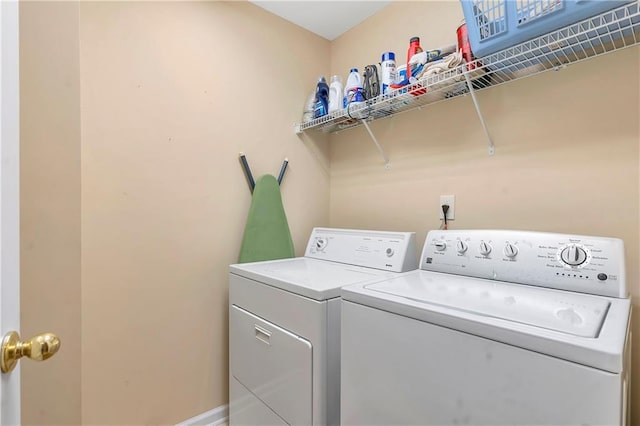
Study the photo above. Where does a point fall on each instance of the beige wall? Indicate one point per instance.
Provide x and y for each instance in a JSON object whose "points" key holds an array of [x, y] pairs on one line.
{"points": [[171, 92], [50, 206], [566, 148]]}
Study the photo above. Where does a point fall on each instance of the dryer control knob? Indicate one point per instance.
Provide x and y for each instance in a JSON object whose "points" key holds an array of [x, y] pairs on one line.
{"points": [[485, 248], [389, 252], [461, 246], [440, 245], [321, 243]]}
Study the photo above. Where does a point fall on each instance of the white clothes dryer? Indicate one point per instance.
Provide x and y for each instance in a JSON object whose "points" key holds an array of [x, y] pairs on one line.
{"points": [[284, 324], [496, 328]]}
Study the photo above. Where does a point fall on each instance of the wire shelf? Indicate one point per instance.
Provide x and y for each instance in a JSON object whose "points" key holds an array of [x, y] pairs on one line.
{"points": [[614, 30]]}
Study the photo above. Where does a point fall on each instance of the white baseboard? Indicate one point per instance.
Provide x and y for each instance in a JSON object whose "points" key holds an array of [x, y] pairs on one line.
{"points": [[215, 417]]}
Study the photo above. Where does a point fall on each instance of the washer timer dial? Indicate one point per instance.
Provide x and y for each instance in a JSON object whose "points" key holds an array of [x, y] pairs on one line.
{"points": [[573, 255]]}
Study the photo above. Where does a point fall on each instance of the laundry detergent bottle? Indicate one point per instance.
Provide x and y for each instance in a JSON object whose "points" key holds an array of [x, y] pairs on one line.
{"points": [[414, 47], [353, 89], [388, 70], [335, 94], [322, 98]]}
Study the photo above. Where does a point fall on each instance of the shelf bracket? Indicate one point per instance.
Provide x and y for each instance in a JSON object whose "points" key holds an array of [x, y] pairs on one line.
{"points": [[477, 105], [387, 163]]}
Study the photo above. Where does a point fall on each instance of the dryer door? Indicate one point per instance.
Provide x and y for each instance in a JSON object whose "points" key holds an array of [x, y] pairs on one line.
{"points": [[273, 364]]}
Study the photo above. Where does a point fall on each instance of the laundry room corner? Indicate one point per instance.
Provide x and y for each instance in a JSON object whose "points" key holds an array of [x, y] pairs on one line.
{"points": [[146, 127]]}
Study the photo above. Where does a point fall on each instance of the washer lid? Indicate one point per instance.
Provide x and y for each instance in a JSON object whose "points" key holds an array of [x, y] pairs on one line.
{"points": [[570, 313], [586, 329], [316, 279]]}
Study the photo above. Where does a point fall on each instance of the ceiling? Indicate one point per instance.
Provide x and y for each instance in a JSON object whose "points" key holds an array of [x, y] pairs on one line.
{"points": [[328, 19]]}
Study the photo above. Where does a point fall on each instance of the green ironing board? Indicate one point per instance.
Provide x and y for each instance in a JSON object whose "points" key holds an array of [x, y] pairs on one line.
{"points": [[266, 234]]}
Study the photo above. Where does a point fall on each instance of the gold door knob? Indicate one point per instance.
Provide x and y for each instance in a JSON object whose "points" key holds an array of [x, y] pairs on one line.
{"points": [[38, 348]]}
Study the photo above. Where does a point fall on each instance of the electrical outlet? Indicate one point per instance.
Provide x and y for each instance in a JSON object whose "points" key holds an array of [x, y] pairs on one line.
{"points": [[450, 200]]}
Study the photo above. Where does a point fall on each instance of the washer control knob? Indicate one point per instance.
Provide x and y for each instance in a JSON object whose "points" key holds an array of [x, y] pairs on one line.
{"points": [[510, 250], [461, 246], [573, 255], [485, 248], [440, 245], [390, 252]]}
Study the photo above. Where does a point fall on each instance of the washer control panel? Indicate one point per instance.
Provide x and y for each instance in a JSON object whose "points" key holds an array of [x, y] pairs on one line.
{"points": [[391, 251], [567, 262]]}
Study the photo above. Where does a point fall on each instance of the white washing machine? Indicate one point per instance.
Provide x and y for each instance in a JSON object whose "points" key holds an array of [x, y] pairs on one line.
{"points": [[495, 328], [284, 324]]}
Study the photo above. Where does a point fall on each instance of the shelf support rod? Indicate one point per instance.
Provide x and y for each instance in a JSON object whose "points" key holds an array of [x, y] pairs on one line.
{"points": [[387, 163], [479, 112]]}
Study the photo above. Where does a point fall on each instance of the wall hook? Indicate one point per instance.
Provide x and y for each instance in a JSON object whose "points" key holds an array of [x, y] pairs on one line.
{"points": [[283, 169], [247, 171]]}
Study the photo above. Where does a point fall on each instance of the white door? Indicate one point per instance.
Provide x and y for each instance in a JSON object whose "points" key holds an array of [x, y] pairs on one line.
{"points": [[9, 202]]}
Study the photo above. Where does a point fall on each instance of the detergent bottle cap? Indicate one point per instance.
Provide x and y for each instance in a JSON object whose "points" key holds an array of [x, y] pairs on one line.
{"points": [[354, 70], [414, 40], [388, 56]]}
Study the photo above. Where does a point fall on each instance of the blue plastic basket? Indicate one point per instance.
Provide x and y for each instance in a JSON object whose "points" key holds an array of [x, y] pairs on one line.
{"points": [[494, 25]]}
